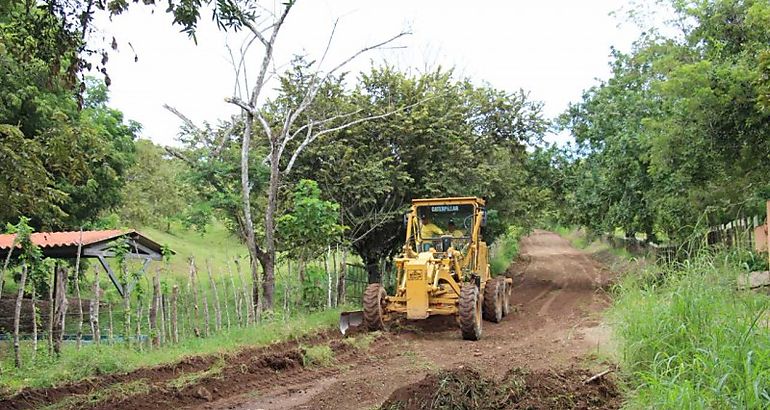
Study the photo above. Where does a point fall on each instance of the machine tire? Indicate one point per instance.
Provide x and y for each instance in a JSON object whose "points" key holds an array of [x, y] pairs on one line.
{"points": [[493, 300], [470, 312], [507, 289], [374, 306]]}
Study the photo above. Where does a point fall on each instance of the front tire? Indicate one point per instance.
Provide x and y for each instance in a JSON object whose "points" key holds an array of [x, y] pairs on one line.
{"points": [[375, 303], [470, 312]]}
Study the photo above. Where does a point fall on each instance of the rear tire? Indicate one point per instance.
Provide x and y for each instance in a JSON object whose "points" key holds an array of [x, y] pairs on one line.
{"points": [[493, 300], [507, 289], [470, 312], [375, 303]]}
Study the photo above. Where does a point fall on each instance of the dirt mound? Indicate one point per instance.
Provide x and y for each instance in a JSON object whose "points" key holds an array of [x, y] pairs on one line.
{"points": [[465, 388]]}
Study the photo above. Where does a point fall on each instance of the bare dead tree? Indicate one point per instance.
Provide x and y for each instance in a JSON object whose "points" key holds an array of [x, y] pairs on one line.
{"points": [[287, 138]]}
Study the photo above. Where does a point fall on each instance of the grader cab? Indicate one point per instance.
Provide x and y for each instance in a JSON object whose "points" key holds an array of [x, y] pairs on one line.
{"points": [[443, 270]]}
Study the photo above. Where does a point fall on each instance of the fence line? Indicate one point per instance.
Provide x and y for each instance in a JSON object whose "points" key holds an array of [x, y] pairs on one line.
{"points": [[749, 233]]}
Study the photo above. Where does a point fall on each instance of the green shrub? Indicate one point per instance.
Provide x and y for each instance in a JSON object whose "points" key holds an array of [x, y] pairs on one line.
{"points": [[689, 338], [505, 250]]}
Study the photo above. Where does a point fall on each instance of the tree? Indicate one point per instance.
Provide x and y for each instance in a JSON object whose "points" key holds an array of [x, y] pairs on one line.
{"points": [[287, 135], [678, 133], [74, 155], [311, 225], [460, 140], [156, 191]]}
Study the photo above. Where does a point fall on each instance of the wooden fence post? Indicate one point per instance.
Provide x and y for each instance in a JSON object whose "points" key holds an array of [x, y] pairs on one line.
{"points": [[154, 330], [217, 305], [194, 293], [174, 323], [93, 310], [767, 223]]}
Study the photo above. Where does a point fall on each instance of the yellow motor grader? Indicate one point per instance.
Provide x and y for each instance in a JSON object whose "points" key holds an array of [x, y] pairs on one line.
{"points": [[443, 270]]}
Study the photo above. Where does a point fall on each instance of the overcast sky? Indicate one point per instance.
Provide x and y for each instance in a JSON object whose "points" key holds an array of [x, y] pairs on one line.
{"points": [[553, 49]]}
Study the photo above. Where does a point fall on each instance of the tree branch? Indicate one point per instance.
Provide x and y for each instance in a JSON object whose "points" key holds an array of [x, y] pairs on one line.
{"points": [[310, 138]]}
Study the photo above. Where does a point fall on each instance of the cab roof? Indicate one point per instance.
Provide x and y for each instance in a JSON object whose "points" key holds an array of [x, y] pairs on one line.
{"points": [[460, 200]]}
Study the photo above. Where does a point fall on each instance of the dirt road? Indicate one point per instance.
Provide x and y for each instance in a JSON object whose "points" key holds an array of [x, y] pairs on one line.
{"points": [[556, 323]]}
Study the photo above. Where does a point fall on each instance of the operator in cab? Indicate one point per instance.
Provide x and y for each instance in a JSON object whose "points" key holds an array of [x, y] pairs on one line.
{"points": [[452, 230], [429, 229]]}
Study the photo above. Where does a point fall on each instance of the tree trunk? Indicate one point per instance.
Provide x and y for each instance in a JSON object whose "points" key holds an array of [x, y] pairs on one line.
{"points": [[373, 269], [16, 317], [79, 337], [268, 285], [174, 322], [154, 330], [251, 241], [94, 310], [343, 269], [217, 305]]}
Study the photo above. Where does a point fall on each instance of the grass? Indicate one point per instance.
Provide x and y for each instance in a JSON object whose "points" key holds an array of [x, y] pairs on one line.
{"points": [[318, 355], [94, 360], [688, 337], [115, 392], [216, 245], [362, 342]]}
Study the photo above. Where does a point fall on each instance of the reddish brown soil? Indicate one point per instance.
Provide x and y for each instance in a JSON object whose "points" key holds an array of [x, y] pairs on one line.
{"points": [[465, 388], [555, 327]]}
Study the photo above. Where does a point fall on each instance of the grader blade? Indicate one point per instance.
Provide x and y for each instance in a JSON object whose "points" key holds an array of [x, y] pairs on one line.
{"points": [[351, 319]]}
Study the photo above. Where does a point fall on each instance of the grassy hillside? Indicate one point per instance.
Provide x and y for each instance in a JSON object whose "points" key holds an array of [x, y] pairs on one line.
{"points": [[216, 245]]}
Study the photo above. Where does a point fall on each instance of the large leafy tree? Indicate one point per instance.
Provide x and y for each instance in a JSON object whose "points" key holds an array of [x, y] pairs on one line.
{"points": [[74, 153], [461, 140], [677, 136]]}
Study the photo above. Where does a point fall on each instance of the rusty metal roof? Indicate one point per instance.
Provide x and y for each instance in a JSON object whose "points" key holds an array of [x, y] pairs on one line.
{"points": [[60, 239]]}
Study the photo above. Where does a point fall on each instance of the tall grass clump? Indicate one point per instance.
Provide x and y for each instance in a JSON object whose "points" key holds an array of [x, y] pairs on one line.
{"points": [[689, 338], [505, 249]]}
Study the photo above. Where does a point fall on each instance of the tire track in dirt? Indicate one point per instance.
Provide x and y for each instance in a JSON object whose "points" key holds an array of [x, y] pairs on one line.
{"points": [[557, 299]]}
